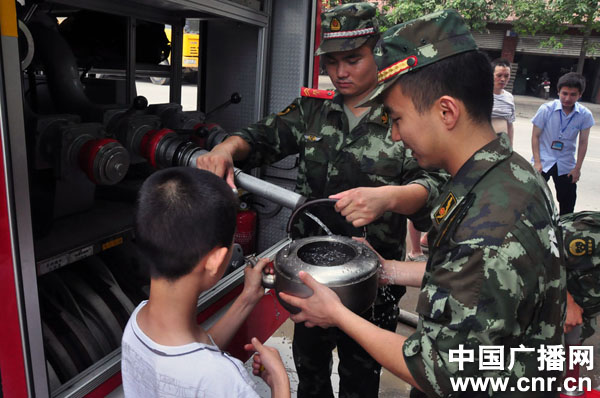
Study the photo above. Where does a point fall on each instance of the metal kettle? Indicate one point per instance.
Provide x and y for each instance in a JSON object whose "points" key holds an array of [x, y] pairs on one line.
{"points": [[345, 265]]}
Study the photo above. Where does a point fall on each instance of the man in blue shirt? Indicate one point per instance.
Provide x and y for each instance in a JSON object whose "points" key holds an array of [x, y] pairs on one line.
{"points": [[556, 126]]}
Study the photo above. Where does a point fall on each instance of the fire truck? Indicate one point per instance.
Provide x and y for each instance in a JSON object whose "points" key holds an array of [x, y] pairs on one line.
{"points": [[77, 142]]}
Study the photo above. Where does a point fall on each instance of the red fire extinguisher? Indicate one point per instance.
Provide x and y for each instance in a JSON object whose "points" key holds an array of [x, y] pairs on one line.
{"points": [[245, 234]]}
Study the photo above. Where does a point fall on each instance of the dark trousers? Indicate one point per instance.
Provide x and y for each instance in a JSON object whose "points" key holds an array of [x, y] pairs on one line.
{"points": [[566, 191], [358, 371]]}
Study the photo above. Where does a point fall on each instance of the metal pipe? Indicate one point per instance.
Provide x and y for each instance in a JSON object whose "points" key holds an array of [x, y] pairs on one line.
{"points": [[131, 59], [176, 61], [164, 148], [408, 318], [267, 190]]}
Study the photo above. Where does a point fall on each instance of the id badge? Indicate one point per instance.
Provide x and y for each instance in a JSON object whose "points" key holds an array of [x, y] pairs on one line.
{"points": [[557, 145]]}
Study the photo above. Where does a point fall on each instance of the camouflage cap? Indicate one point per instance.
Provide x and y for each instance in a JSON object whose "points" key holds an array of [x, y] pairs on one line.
{"points": [[347, 27], [414, 44]]}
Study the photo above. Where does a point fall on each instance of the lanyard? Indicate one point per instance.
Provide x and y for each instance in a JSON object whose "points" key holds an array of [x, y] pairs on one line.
{"points": [[562, 130]]}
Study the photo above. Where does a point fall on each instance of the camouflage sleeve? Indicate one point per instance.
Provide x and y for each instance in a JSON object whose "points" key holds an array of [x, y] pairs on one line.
{"points": [[432, 180], [277, 135], [474, 296]]}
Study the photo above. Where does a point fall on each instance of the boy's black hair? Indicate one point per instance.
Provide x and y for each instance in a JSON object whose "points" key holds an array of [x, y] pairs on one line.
{"points": [[182, 214], [572, 80], [467, 77], [500, 62]]}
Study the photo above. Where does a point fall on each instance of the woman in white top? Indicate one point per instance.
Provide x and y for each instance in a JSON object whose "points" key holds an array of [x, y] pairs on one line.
{"points": [[503, 112]]}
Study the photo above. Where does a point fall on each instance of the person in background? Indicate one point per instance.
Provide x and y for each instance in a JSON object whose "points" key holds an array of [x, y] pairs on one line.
{"points": [[495, 275], [503, 112], [559, 127], [184, 225], [345, 153]]}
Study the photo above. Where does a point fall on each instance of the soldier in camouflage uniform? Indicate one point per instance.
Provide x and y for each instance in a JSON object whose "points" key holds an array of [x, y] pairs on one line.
{"points": [[581, 232], [342, 148], [494, 274]]}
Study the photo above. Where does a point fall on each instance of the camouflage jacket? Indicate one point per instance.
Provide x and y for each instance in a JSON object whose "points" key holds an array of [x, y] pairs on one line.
{"points": [[333, 159], [581, 232], [494, 275]]}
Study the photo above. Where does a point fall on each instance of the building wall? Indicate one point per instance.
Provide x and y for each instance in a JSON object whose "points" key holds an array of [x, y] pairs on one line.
{"points": [[534, 61]]}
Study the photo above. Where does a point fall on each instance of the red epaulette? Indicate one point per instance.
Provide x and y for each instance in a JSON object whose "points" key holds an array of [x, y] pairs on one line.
{"points": [[315, 93]]}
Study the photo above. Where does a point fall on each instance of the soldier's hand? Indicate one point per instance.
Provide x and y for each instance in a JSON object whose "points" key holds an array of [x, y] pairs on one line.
{"points": [[366, 243], [361, 206], [386, 274], [320, 309], [219, 162], [574, 314]]}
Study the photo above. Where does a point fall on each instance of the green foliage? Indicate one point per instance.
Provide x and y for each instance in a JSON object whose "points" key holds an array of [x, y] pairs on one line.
{"points": [[477, 13], [555, 17], [531, 17]]}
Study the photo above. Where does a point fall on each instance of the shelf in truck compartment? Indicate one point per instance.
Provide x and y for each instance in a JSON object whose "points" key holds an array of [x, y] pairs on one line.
{"points": [[72, 238]]}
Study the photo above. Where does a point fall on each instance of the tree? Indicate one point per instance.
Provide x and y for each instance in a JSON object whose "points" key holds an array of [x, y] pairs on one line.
{"points": [[477, 13], [555, 17]]}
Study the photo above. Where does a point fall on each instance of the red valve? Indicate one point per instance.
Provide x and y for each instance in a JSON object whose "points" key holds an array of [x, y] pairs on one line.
{"points": [[150, 143], [88, 153]]}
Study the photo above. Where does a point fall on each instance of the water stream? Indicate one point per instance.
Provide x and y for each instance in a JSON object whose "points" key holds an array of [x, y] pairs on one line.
{"points": [[318, 221]]}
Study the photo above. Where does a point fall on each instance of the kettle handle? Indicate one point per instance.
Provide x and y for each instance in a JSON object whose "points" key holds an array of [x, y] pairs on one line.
{"points": [[302, 207], [268, 280]]}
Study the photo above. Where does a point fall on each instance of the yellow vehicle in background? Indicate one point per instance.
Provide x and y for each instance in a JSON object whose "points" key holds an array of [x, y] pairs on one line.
{"points": [[191, 44]]}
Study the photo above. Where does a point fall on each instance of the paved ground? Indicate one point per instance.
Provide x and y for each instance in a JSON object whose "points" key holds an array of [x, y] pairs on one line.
{"points": [[527, 106]]}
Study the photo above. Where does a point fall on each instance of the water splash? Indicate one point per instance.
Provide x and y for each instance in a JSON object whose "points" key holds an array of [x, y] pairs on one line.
{"points": [[325, 255]]}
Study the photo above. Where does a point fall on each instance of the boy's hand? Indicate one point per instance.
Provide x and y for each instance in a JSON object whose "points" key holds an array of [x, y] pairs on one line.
{"points": [[253, 289], [320, 309], [269, 366]]}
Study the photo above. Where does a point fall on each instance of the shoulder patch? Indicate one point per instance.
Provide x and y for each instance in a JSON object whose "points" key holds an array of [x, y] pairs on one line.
{"points": [[453, 223], [445, 208], [315, 93], [287, 110], [312, 138], [581, 246], [385, 118]]}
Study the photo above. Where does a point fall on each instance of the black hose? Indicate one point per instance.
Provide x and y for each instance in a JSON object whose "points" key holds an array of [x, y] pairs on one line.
{"points": [[61, 67]]}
